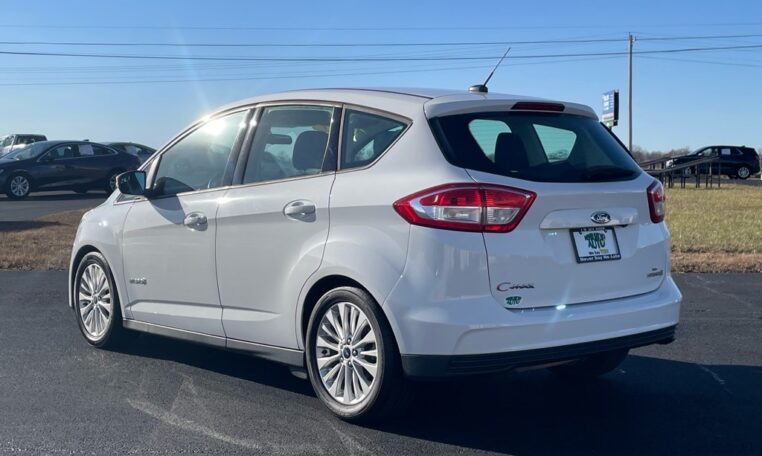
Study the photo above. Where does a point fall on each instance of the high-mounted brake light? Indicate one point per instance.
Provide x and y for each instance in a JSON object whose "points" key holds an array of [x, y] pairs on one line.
{"points": [[657, 202], [538, 106], [467, 207]]}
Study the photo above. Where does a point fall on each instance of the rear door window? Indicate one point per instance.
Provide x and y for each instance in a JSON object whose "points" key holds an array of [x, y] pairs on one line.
{"points": [[541, 147], [101, 151], [86, 150], [290, 141]]}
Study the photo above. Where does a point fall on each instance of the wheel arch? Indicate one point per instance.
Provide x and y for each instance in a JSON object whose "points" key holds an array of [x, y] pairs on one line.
{"points": [[321, 287], [76, 259]]}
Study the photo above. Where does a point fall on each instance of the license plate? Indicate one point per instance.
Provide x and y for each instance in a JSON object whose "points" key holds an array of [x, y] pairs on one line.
{"points": [[595, 244]]}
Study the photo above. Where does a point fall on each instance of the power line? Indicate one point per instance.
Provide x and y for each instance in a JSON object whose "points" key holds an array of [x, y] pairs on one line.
{"points": [[277, 45], [354, 45], [372, 59], [370, 28], [711, 62], [290, 75]]}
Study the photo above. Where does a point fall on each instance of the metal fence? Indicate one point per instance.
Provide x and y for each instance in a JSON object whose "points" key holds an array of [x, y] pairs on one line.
{"points": [[685, 172]]}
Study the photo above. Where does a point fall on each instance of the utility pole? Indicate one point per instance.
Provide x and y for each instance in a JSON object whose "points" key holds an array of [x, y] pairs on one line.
{"points": [[631, 41]]}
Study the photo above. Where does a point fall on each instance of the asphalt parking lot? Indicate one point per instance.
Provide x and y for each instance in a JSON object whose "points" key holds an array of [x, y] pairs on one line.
{"points": [[41, 204], [699, 395]]}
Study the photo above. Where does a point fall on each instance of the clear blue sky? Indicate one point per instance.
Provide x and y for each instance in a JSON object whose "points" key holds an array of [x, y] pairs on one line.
{"points": [[702, 98]]}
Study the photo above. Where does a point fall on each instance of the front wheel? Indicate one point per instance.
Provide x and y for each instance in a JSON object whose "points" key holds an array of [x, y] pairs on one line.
{"points": [[352, 358], [96, 302], [18, 187], [743, 172], [591, 366]]}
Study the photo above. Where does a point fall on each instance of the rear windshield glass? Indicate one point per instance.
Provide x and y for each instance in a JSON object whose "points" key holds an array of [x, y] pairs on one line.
{"points": [[534, 146]]}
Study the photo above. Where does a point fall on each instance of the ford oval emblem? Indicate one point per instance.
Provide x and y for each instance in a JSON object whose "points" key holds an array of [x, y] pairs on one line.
{"points": [[601, 217]]}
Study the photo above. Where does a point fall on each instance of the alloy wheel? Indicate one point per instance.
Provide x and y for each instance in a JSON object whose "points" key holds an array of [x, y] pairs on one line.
{"points": [[94, 300], [346, 353], [743, 172], [19, 186]]}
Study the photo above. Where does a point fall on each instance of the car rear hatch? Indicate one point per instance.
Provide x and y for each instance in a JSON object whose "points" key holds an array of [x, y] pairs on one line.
{"points": [[588, 234]]}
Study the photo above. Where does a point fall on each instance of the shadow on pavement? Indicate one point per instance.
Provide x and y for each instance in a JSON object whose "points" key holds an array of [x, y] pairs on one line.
{"points": [[229, 363], [649, 406]]}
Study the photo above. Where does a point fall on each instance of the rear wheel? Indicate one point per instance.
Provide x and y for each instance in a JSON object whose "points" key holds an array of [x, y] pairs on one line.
{"points": [[18, 187], [96, 302], [592, 366], [743, 172], [352, 358]]}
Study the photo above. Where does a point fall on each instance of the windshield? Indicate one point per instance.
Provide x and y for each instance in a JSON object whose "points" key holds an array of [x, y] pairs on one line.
{"points": [[540, 147], [30, 151]]}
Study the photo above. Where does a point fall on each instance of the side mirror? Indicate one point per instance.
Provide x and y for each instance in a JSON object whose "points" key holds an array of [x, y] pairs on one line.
{"points": [[132, 183]]}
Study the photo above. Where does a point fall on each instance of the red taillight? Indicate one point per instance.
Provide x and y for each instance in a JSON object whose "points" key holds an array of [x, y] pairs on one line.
{"points": [[656, 202], [467, 207]]}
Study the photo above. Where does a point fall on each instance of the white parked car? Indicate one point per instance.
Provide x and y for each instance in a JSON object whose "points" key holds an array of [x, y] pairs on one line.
{"points": [[9, 143], [371, 237]]}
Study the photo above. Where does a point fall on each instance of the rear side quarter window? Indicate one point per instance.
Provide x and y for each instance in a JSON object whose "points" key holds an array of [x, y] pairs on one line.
{"points": [[366, 136]]}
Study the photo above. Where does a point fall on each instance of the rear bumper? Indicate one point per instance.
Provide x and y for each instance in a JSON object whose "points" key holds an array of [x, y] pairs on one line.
{"points": [[428, 366], [448, 335]]}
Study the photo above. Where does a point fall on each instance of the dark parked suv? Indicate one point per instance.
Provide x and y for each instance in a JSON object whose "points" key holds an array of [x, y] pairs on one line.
{"points": [[62, 165], [733, 161]]}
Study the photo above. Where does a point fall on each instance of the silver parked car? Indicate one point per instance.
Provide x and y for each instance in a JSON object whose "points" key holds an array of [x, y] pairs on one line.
{"points": [[371, 237]]}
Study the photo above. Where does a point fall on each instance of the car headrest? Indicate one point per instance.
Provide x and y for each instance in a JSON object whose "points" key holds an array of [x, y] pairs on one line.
{"points": [[511, 153], [309, 150]]}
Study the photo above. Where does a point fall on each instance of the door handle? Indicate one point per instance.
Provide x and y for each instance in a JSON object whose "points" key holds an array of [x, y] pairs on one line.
{"points": [[195, 221], [299, 209]]}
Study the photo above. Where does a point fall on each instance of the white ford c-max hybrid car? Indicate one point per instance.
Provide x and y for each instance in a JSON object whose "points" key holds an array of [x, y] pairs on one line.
{"points": [[376, 236]]}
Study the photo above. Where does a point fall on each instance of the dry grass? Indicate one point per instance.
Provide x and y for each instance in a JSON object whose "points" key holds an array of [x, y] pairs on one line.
{"points": [[41, 244], [716, 230]]}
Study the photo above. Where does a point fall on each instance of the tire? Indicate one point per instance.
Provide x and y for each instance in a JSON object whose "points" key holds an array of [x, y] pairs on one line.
{"points": [[687, 172], [18, 186], [110, 185], [101, 326], [743, 172], [370, 397], [592, 366]]}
